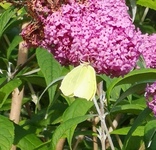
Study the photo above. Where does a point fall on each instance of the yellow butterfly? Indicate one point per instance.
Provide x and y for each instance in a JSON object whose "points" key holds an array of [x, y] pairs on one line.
{"points": [[80, 82]]}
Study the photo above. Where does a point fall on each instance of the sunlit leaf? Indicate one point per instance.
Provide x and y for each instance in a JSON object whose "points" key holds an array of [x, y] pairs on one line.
{"points": [[5, 5], [50, 68], [124, 130], [147, 3]]}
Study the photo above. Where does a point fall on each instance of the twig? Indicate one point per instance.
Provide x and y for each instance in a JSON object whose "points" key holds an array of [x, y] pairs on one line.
{"points": [[20, 67], [60, 144], [79, 139], [17, 95], [114, 125], [95, 143], [103, 130], [144, 15]]}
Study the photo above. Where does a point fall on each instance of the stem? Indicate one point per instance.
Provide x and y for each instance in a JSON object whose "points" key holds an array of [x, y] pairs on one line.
{"points": [[103, 131], [16, 103], [17, 95], [79, 139], [144, 15], [60, 144], [20, 67], [34, 97], [134, 9], [95, 142], [113, 125], [103, 134], [108, 135]]}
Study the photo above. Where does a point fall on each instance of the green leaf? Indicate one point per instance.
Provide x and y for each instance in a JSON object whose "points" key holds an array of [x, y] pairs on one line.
{"points": [[137, 88], [8, 88], [4, 65], [14, 43], [124, 131], [29, 141], [50, 68], [138, 140], [26, 140], [7, 104], [54, 116], [78, 108], [146, 28], [150, 135], [6, 133], [5, 5], [147, 3], [128, 108], [5, 19], [2, 80], [133, 77], [34, 79], [64, 127], [141, 117]]}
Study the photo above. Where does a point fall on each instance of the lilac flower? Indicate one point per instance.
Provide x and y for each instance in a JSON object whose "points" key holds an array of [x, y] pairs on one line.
{"points": [[150, 95], [98, 31], [149, 50]]}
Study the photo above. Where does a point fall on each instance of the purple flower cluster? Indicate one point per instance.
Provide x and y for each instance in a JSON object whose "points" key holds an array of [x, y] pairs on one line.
{"points": [[96, 31], [150, 95], [149, 50], [149, 54]]}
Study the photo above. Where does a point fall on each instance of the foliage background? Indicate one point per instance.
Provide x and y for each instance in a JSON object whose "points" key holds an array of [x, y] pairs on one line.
{"points": [[46, 115]]}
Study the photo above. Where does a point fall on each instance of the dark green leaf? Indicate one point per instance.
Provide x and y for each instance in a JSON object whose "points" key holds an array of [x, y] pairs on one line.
{"points": [[128, 108], [34, 79], [6, 133], [133, 77], [78, 108], [138, 140], [5, 19], [8, 88], [64, 127], [25, 140], [137, 88], [141, 117], [14, 43], [150, 135]]}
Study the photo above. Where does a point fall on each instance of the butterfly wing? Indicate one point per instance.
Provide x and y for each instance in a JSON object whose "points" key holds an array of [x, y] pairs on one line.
{"points": [[69, 82], [80, 82], [86, 87]]}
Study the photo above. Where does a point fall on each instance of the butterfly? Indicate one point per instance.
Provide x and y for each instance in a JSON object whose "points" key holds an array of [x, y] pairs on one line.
{"points": [[80, 82]]}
